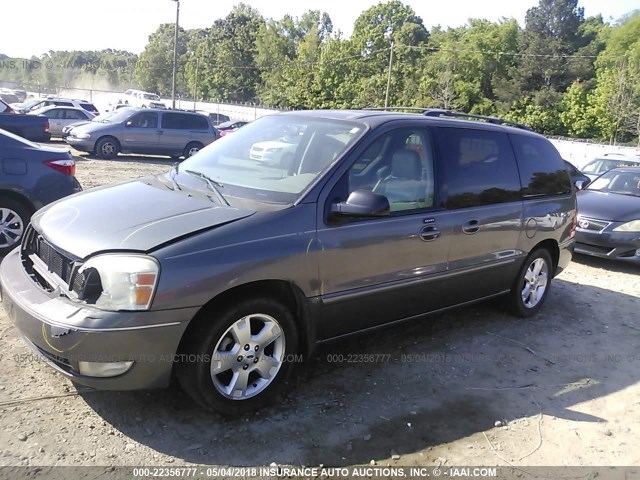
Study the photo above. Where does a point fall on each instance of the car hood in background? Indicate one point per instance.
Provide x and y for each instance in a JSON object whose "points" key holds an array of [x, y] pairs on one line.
{"points": [[613, 207], [137, 215]]}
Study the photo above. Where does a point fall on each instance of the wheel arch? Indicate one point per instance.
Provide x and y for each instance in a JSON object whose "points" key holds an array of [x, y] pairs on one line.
{"points": [[21, 197], [553, 248], [284, 291], [99, 139]]}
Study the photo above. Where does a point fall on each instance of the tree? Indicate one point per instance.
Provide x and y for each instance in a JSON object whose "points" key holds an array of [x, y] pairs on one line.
{"points": [[154, 71], [229, 68], [372, 33]]}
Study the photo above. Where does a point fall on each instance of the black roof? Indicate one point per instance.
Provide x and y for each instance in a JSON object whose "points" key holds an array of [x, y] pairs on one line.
{"points": [[375, 118]]}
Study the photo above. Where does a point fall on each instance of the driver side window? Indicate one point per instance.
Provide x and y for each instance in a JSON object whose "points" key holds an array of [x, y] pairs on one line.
{"points": [[398, 165]]}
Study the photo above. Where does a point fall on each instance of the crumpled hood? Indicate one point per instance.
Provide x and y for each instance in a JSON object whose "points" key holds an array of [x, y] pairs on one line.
{"points": [[613, 207], [136, 215]]}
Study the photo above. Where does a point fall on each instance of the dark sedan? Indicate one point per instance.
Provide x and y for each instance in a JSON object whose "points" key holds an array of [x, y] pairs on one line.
{"points": [[31, 177], [609, 216]]}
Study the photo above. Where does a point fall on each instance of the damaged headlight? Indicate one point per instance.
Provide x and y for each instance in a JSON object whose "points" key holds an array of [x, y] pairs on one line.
{"points": [[120, 281]]}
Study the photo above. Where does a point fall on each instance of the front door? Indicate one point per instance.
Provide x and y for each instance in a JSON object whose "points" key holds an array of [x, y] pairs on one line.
{"points": [[141, 133], [379, 270]]}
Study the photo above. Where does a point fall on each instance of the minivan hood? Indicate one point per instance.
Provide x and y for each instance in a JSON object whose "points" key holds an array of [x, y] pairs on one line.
{"points": [[137, 215], [613, 207]]}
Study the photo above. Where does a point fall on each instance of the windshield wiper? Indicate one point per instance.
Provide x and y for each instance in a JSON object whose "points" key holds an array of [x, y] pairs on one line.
{"points": [[213, 185]]}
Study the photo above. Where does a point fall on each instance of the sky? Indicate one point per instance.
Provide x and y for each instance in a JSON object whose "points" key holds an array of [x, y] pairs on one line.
{"points": [[127, 24]]}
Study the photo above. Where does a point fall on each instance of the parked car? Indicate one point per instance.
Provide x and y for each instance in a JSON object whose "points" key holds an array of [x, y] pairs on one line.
{"points": [[99, 119], [598, 166], [223, 270], [215, 118], [31, 177], [140, 99], [5, 108], [609, 216], [229, 127], [31, 127], [60, 117], [21, 94], [142, 130], [37, 103], [8, 96], [578, 178], [14, 95]]}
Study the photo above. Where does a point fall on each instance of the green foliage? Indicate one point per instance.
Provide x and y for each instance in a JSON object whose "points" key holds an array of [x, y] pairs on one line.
{"points": [[561, 74]]}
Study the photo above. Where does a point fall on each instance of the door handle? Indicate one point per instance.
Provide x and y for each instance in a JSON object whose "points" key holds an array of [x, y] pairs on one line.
{"points": [[471, 227], [429, 233]]}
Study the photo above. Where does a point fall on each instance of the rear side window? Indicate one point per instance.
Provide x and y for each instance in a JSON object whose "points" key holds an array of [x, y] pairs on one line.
{"points": [[479, 168], [3, 107], [74, 115], [198, 122], [542, 170], [89, 107], [175, 121]]}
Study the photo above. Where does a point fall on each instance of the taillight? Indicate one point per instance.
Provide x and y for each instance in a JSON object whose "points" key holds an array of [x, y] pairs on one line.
{"points": [[66, 166], [46, 126]]}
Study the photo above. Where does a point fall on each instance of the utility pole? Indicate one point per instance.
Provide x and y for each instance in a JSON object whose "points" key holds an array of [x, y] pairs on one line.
{"points": [[195, 86], [175, 56], [386, 97]]}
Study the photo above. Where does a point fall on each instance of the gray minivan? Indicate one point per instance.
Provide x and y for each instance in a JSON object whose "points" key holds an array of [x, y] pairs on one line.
{"points": [[147, 131], [229, 267]]}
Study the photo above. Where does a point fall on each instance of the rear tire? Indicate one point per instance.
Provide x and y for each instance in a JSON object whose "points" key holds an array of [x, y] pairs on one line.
{"points": [[235, 360], [531, 288], [191, 149], [107, 148], [14, 218]]}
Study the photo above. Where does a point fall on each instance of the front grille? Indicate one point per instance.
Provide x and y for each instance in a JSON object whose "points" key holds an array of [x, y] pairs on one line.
{"points": [[56, 262], [592, 224]]}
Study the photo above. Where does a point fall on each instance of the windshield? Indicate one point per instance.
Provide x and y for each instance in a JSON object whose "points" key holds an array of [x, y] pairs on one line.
{"points": [[33, 104], [274, 158], [104, 116], [616, 181], [602, 165], [117, 116]]}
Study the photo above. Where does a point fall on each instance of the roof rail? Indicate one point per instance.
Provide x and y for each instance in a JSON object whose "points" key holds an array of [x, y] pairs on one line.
{"points": [[440, 112], [437, 112]]}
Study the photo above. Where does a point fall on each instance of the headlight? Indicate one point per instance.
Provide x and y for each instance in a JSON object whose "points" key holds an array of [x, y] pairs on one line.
{"points": [[632, 226], [82, 136], [272, 150], [126, 282]]}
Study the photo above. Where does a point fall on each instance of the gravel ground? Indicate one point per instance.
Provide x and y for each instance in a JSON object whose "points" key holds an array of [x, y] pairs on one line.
{"points": [[472, 386]]}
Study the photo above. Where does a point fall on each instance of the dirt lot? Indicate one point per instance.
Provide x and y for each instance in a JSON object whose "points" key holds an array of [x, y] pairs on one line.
{"points": [[563, 385]]}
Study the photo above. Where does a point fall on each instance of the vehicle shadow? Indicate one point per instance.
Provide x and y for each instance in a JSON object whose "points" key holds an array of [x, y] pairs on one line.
{"points": [[406, 388], [605, 264]]}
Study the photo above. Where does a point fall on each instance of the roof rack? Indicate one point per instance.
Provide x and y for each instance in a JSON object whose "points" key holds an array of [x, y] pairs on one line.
{"points": [[439, 112]]}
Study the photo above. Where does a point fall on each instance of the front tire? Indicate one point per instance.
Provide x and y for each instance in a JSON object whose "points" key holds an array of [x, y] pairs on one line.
{"points": [[531, 288], [14, 218], [236, 360], [107, 148]]}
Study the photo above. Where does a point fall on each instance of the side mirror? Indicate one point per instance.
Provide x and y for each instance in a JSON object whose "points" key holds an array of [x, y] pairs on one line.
{"points": [[128, 124], [580, 184], [362, 203]]}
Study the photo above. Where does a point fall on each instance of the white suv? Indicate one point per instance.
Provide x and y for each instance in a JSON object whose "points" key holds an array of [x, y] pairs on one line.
{"points": [[37, 103], [138, 98]]}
